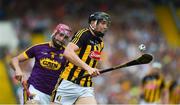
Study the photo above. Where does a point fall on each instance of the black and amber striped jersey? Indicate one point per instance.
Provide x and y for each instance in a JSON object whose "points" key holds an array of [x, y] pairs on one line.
{"points": [[174, 92], [90, 48], [153, 85]]}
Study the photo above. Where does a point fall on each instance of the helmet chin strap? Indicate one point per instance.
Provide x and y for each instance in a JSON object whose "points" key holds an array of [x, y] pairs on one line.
{"points": [[98, 34], [95, 22]]}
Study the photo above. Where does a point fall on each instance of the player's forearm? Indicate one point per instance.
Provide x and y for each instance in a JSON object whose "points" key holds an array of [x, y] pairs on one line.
{"points": [[72, 57], [15, 63]]}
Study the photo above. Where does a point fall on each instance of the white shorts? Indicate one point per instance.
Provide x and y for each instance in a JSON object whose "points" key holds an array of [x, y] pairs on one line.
{"points": [[68, 92], [142, 102], [39, 96]]}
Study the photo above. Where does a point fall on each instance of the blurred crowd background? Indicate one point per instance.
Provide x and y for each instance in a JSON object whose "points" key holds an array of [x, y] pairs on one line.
{"points": [[155, 23]]}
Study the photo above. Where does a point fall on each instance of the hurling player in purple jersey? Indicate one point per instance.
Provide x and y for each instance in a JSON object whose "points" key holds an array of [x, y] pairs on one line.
{"points": [[49, 62]]}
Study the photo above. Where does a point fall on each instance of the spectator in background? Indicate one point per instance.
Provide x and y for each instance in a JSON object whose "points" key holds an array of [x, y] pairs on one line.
{"points": [[153, 87], [174, 92], [49, 62]]}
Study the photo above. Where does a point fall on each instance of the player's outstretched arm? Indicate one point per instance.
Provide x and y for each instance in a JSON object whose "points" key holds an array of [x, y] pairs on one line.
{"points": [[15, 65]]}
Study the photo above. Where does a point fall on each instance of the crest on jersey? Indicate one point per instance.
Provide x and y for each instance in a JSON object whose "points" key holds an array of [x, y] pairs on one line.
{"points": [[61, 56]]}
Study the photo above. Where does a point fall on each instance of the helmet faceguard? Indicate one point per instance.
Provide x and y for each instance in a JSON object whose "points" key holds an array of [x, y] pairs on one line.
{"points": [[62, 30], [97, 17]]}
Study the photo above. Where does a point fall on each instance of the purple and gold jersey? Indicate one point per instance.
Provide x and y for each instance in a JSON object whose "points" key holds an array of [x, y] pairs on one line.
{"points": [[49, 62]]}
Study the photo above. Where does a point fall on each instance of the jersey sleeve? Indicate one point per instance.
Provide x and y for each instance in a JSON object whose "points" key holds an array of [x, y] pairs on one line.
{"points": [[30, 52], [80, 38]]}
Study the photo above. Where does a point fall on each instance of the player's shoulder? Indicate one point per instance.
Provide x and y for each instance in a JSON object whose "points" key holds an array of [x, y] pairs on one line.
{"points": [[83, 31], [40, 45]]}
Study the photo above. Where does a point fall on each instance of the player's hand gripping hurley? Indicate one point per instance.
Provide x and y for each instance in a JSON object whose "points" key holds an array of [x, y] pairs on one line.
{"points": [[144, 59]]}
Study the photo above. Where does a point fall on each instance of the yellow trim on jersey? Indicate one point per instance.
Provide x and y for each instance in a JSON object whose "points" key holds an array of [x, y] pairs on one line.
{"points": [[25, 55], [36, 45], [78, 35]]}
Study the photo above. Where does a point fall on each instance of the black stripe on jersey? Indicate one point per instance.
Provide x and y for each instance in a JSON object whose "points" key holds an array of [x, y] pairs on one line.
{"points": [[83, 71], [94, 64], [85, 83], [80, 75], [72, 72], [91, 83], [75, 67]]}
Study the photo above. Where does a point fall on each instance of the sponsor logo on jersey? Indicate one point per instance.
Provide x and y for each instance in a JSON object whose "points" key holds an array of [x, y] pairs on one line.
{"points": [[95, 55], [44, 53], [50, 64], [151, 86]]}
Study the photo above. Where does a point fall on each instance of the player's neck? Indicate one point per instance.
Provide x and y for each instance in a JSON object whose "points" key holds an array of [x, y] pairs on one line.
{"points": [[51, 44]]}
